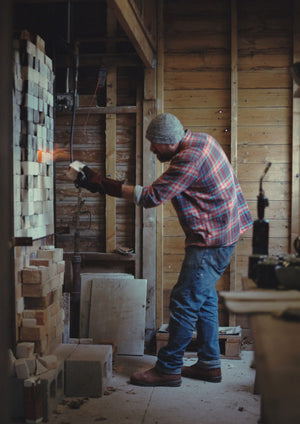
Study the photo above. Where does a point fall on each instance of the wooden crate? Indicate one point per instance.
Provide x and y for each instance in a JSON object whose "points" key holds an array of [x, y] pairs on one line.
{"points": [[230, 345]]}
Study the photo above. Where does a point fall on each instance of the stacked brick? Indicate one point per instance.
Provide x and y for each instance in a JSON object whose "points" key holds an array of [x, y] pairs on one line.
{"points": [[33, 132], [42, 320]]}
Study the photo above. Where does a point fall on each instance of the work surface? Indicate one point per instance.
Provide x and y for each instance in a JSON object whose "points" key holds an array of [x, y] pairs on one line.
{"points": [[277, 354], [277, 349]]}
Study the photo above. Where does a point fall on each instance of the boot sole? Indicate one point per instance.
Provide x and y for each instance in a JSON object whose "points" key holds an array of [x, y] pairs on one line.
{"points": [[160, 384], [209, 379]]}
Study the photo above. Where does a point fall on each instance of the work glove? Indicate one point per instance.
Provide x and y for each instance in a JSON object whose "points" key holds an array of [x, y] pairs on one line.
{"points": [[95, 183]]}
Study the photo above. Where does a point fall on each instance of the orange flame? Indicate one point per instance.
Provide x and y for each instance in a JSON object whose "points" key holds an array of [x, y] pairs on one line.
{"points": [[44, 157], [47, 156]]}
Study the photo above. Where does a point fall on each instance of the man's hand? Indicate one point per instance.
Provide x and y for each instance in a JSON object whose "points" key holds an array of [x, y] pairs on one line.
{"points": [[93, 182]]}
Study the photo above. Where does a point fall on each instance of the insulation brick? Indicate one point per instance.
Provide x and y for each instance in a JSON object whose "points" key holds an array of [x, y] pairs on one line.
{"points": [[37, 332], [25, 350], [35, 275]]}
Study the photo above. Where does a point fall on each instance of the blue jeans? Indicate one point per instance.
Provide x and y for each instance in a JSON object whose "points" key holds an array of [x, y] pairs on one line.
{"points": [[194, 305]]}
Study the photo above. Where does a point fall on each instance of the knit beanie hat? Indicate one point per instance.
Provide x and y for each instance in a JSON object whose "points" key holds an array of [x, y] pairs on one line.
{"points": [[165, 129]]}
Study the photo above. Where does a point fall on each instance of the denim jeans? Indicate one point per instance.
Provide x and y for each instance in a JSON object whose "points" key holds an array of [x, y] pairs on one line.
{"points": [[194, 305]]}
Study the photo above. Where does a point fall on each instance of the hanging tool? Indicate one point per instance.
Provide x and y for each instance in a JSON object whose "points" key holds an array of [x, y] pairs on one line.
{"points": [[260, 239]]}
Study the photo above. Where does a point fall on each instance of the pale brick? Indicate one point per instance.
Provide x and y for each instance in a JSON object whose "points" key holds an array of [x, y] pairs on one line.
{"points": [[21, 368], [35, 275], [32, 333], [25, 350]]}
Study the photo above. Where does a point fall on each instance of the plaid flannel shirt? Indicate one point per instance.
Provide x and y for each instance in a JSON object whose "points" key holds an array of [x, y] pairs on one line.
{"points": [[204, 191]]}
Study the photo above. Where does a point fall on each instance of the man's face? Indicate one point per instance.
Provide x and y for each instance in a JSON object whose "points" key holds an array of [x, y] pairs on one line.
{"points": [[164, 152]]}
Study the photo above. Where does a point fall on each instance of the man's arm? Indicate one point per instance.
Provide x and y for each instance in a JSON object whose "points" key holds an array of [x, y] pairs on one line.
{"points": [[128, 192]]}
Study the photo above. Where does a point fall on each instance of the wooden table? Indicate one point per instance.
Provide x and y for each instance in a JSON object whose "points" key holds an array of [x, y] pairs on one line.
{"points": [[277, 350]]}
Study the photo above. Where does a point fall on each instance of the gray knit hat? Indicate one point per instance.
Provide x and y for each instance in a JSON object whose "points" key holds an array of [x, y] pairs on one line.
{"points": [[165, 129]]}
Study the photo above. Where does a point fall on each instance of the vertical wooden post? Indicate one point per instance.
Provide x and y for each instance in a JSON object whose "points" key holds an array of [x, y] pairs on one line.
{"points": [[149, 215], [159, 169], [138, 179], [295, 197], [234, 127], [111, 136]]}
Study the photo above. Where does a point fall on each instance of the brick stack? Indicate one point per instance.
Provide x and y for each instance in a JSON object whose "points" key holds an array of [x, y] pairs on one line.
{"points": [[33, 131], [43, 316]]}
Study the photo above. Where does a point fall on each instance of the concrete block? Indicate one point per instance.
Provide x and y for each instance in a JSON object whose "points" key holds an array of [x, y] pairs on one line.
{"points": [[16, 398], [49, 361], [11, 363], [52, 389], [88, 370], [25, 350], [31, 363], [21, 368]]}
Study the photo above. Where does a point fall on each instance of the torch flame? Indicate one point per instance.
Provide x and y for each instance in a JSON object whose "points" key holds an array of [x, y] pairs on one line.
{"points": [[47, 156], [44, 157]]}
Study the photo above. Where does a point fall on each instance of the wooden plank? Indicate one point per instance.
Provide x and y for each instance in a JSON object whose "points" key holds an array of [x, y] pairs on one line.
{"points": [[277, 78], [195, 61], [234, 128], [149, 220], [103, 110], [159, 168], [139, 179], [213, 117], [177, 99], [135, 30], [196, 80], [252, 153], [267, 135], [265, 116], [295, 200], [111, 137], [272, 97], [276, 173], [194, 41]]}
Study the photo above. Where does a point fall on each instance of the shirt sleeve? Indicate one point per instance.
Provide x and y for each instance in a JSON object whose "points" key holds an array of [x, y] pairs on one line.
{"points": [[182, 172]]}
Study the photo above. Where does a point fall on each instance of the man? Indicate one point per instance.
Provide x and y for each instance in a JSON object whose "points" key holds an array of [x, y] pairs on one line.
{"points": [[213, 213]]}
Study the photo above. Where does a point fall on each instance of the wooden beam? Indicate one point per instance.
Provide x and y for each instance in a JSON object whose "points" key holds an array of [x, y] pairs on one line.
{"points": [[295, 195], [135, 30], [139, 178], [159, 170], [111, 137], [234, 129], [102, 110]]}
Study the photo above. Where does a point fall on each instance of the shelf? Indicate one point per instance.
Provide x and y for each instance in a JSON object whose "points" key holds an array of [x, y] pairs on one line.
{"points": [[102, 257]]}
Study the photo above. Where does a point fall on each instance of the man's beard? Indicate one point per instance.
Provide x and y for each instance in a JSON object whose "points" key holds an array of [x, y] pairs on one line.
{"points": [[165, 157]]}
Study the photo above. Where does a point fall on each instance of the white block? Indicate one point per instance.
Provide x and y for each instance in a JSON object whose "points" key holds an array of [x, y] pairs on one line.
{"points": [[21, 368], [25, 350], [29, 322], [49, 361], [30, 168], [20, 305]]}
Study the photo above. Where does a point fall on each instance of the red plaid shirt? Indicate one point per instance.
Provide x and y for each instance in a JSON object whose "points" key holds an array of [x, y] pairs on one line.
{"points": [[204, 191]]}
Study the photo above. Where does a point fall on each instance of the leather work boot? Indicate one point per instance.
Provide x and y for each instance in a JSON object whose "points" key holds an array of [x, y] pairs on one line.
{"points": [[154, 378], [213, 375]]}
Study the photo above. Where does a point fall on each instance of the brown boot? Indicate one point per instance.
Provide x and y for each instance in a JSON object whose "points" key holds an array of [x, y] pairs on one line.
{"points": [[213, 375], [154, 378]]}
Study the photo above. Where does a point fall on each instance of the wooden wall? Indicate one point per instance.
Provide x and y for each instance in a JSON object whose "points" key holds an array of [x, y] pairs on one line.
{"points": [[199, 65]]}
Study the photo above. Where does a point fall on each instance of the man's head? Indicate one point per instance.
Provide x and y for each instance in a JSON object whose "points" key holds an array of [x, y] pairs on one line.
{"points": [[165, 132]]}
